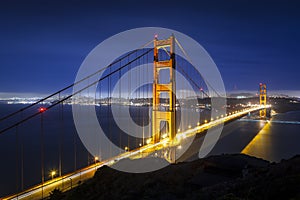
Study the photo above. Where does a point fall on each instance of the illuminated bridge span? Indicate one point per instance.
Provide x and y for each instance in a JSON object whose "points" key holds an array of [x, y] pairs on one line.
{"points": [[164, 129]]}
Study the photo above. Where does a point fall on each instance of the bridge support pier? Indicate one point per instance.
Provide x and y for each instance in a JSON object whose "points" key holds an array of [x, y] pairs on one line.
{"points": [[263, 100], [164, 114]]}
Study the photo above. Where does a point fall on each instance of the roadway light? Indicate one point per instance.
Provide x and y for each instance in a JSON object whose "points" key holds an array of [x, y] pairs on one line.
{"points": [[179, 147], [96, 159], [126, 148], [179, 130], [140, 144], [211, 119], [165, 143], [148, 141], [205, 121], [198, 123], [190, 126], [52, 174], [178, 137]]}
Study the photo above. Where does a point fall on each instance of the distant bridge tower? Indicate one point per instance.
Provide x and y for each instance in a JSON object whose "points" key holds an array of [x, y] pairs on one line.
{"points": [[263, 100], [159, 114]]}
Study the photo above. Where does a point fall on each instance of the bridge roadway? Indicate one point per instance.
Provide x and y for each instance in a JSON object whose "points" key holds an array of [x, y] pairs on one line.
{"points": [[71, 180]]}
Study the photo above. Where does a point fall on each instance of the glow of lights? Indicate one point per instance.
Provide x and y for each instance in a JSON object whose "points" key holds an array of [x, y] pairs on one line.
{"points": [[52, 173], [164, 135], [111, 162], [205, 121], [148, 141], [96, 158], [198, 123], [261, 123], [179, 147], [42, 109], [140, 144], [178, 137]]}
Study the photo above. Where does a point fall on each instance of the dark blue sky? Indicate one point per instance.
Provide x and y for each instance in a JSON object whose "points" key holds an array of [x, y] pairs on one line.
{"points": [[44, 42]]}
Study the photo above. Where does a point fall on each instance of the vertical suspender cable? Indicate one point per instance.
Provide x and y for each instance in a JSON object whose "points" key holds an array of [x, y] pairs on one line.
{"points": [[129, 93], [74, 139], [108, 113], [100, 113], [22, 165], [17, 160], [119, 107], [61, 136], [42, 154]]}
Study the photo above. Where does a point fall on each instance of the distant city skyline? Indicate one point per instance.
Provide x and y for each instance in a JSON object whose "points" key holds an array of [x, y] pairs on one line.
{"points": [[44, 43], [290, 93]]}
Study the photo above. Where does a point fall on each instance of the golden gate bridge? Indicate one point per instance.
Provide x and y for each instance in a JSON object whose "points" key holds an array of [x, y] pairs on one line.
{"points": [[165, 132]]}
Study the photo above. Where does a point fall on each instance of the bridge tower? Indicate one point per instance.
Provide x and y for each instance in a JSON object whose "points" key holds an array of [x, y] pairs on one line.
{"points": [[263, 100], [162, 114]]}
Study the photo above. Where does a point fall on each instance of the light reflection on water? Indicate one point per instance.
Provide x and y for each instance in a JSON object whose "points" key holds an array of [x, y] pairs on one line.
{"points": [[259, 145], [276, 141]]}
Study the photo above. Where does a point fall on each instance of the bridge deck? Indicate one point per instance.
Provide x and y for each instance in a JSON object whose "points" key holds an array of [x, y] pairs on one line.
{"points": [[68, 181]]}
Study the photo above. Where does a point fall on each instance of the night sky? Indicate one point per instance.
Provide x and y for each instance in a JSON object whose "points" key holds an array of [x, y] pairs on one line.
{"points": [[43, 43]]}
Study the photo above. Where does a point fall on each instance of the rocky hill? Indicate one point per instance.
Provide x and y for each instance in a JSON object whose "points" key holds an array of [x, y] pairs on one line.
{"points": [[235, 176]]}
